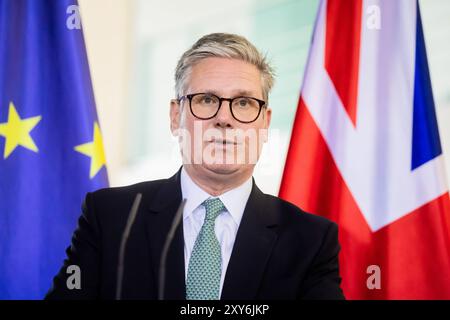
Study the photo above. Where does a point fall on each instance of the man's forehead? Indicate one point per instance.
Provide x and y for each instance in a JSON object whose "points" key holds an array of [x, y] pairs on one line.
{"points": [[213, 66], [225, 77]]}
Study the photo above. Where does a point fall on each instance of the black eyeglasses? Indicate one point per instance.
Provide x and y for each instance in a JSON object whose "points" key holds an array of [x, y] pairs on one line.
{"points": [[205, 106]]}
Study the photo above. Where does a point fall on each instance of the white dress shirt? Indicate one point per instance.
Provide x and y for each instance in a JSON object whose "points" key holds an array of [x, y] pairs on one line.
{"points": [[226, 224]]}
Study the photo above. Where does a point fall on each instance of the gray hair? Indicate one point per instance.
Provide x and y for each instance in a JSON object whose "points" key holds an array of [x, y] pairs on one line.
{"points": [[223, 45]]}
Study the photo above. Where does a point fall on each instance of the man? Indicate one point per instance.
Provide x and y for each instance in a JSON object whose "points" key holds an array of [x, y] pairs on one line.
{"points": [[234, 242]]}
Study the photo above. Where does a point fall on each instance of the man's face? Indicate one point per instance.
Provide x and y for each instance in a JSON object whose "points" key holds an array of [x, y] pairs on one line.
{"points": [[222, 144]]}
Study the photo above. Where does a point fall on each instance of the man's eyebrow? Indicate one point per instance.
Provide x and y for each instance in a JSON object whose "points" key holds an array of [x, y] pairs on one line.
{"points": [[237, 93]]}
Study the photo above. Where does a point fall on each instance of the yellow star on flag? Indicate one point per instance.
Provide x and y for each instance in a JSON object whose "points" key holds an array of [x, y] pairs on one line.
{"points": [[95, 151], [17, 131]]}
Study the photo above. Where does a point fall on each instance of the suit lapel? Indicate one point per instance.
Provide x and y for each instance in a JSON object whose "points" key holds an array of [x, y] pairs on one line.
{"points": [[252, 248], [162, 210]]}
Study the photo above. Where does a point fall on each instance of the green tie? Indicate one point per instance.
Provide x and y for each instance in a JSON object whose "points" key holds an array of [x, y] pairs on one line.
{"points": [[205, 264]]}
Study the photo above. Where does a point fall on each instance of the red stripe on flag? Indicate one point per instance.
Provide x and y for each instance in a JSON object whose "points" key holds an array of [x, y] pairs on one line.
{"points": [[343, 33], [413, 253]]}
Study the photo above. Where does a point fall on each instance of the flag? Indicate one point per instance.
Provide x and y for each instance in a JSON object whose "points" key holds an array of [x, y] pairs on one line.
{"points": [[51, 150], [365, 150]]}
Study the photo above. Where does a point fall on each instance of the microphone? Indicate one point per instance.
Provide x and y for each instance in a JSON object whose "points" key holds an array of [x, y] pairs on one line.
{"points": [[123, 243], [162, 266]]}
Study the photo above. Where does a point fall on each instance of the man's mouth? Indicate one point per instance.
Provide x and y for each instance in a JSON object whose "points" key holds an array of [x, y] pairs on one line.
{"points": [[222, 142]]}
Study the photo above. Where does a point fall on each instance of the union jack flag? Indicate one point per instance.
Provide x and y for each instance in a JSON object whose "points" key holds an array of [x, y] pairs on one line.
{"points": [[365, 149]]}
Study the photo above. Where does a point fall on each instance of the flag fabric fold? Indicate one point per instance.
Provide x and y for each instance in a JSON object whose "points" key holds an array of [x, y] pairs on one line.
{"points": [[365, 150]]}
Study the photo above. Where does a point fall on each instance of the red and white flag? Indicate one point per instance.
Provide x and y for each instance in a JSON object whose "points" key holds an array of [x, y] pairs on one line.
{"points": [[365, 150]]}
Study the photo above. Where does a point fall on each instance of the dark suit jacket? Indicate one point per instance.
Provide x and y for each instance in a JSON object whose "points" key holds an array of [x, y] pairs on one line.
{"points": [[280, 252]]}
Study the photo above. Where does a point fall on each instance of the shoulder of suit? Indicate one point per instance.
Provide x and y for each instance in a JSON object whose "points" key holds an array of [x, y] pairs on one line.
{"points": [[120, 199], [291, 214], [141, 187]]}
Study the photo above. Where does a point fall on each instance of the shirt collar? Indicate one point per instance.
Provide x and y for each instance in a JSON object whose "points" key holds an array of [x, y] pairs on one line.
{"points": [[234, 200]]}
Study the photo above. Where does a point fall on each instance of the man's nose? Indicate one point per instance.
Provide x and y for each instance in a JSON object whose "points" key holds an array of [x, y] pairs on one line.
{"points": [[224, 118]]}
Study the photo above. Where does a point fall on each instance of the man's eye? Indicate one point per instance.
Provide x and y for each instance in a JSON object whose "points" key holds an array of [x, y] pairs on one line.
{"points": [[208, 100], [242, 103]]}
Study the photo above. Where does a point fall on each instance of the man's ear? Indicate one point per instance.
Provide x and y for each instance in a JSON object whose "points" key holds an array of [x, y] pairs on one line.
{"points": [[267, 118], [175, 112]]}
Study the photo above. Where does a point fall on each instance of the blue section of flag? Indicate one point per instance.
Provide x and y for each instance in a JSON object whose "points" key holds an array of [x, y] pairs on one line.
{"points": [[426, 143], [44, 72]]}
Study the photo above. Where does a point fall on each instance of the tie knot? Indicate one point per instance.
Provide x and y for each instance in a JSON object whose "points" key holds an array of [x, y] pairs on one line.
{"points": [[213, 207]]}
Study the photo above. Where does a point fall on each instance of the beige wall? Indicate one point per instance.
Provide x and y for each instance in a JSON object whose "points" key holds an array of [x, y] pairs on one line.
{"points": [[107, 30]]}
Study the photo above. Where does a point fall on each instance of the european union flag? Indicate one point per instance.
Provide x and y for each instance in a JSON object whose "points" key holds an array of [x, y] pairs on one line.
{"points": [[51, 149]]}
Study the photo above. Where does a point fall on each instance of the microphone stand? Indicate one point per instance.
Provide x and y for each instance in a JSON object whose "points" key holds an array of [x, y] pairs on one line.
{"points": [[123, 243], [165, 251]]}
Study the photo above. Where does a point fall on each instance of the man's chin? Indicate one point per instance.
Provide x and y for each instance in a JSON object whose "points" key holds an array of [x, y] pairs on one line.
{"points": [[223, 169]]}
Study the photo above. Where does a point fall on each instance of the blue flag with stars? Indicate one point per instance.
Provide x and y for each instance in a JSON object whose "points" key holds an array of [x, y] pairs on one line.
{"points": [[51, 147]]}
